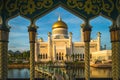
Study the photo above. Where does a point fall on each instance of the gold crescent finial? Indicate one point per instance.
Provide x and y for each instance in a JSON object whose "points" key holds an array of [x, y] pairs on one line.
{"points": [[59, 18]]}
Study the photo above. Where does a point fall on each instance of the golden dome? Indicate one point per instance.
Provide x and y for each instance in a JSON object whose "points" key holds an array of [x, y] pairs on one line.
{"points": [[59, 24]]}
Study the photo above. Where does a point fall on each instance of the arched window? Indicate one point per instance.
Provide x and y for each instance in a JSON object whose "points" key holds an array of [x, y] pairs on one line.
{"points": [[60, 56], [43, 56], [39, 55], [46, 56], [83, 55], [57, 56], [80, 55]]}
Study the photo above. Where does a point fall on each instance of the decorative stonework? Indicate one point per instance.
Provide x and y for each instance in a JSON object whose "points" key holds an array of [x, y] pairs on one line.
{"points": [[84, 8], [27, 7], [3, 54], [92, 6], [87, 61], [117, 53], [36, 8], [32, 29], [118, 5], [113, 59], [1, 6], [115, 40], [32, 61]]}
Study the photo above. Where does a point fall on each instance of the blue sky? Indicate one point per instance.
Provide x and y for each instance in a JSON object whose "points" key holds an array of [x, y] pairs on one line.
{"points": [[19, 39]]}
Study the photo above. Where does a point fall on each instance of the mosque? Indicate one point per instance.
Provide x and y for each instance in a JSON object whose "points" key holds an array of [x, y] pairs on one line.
{"points": [[60, 46]]}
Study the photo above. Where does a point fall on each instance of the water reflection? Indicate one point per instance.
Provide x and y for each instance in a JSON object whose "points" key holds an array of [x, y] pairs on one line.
{"points": [[18, 73], [78, 73], [98, 72]]}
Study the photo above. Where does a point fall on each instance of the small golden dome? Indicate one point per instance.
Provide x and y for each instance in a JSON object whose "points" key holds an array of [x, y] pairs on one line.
{"points": [[59, 24]]}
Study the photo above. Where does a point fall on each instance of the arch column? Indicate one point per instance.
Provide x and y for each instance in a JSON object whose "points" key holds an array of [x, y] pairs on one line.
{"points": [[115, 41], [32, 29], [87, 33], [4, 34]]}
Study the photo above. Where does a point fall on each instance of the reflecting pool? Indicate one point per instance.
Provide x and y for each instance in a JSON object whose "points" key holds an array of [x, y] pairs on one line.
{"points": [[79, 72]]}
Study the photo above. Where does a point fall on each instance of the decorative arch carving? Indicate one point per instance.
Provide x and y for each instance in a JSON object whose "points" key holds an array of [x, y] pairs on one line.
{"points": [[86, 9]]}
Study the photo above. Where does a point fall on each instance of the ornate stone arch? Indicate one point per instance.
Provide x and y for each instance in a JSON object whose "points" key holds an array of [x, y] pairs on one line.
{"points": [[84, 9], [33, 9]]}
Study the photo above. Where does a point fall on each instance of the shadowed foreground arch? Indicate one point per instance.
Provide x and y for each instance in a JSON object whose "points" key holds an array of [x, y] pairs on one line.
{"points": [[35, 8]]}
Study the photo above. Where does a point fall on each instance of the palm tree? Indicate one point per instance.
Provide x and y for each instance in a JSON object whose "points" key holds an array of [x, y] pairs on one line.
{"points": [[73, 56], [67, 56]]}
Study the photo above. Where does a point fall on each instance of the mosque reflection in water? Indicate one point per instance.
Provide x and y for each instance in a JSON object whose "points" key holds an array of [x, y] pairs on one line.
{"points": [[70, 72], [78, 73]]}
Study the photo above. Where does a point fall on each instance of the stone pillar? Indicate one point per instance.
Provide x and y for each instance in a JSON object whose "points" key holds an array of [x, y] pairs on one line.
{"points": [[32, 33], [4, 35], [3, 54], [87, 61], [118, 42], [115, 40], [87, 33]]}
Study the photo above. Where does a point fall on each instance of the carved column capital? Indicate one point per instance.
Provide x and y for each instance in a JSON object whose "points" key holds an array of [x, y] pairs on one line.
{"points": [[86, 32], [32, 33], [115, 33]]}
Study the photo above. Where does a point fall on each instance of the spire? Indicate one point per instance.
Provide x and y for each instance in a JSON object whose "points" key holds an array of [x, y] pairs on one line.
{"points": [[59, 18], [99, 34]]}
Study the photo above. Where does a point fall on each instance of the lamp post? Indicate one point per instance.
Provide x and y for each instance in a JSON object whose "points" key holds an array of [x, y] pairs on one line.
{"points": [[115, 40], [86, 34], [32, 34]]}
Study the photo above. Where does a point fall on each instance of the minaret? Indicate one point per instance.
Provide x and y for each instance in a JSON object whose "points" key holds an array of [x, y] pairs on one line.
{"points": [[70, 38], [98, 41], [49, 46], [70, 42], [82, 35]]}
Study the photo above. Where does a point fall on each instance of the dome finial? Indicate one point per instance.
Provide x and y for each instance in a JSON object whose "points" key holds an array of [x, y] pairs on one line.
{"points": [[59, 18]]}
